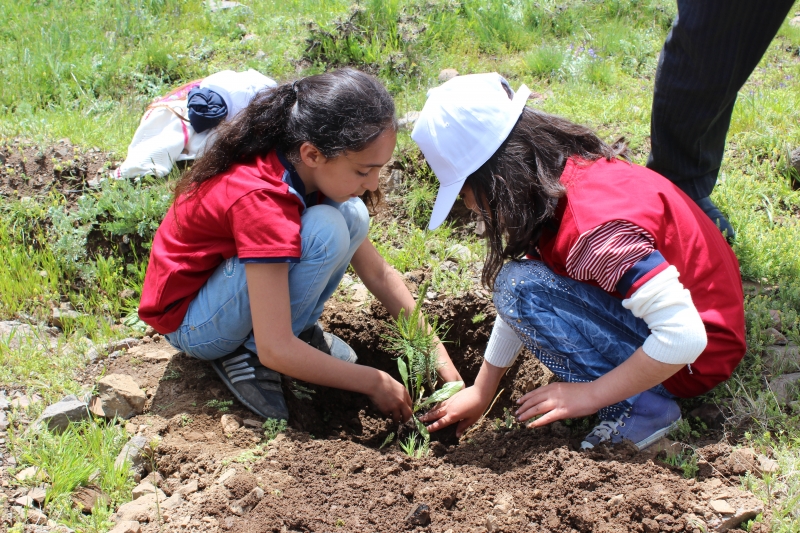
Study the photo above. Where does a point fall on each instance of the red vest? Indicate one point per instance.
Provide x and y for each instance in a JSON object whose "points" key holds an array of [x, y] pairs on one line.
{"points": [[605, 191]]}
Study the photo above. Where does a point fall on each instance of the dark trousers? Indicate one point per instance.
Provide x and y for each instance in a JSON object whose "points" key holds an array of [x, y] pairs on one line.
{"points": [[710, 51]]}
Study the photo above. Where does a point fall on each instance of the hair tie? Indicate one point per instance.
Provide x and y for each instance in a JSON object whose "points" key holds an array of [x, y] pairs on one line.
{"points": [[294, 86]]}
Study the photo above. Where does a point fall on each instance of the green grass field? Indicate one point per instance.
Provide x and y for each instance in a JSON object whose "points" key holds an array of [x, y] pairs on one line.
{"points": [[85, 70]]}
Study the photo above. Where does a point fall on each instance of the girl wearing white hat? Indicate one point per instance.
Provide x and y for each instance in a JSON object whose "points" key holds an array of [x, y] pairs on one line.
{"points": [[605, 270]]}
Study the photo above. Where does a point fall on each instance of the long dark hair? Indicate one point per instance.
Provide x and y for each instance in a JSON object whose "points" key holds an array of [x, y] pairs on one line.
{"points": [[517, 190], [339, 111]]}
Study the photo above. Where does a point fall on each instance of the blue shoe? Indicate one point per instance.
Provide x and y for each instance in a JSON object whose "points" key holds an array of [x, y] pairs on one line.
{"points": [[651, 417]]}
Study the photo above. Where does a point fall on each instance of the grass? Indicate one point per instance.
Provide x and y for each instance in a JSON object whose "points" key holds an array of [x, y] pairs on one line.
{"points": [[82, 455], [87, 70]]}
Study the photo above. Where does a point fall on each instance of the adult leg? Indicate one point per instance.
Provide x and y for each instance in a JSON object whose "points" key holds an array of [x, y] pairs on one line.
{"points": [[711, 50], [580, 333]]}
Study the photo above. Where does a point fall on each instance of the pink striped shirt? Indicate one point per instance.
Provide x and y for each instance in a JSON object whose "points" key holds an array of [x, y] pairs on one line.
{"points": [[605, 253]]}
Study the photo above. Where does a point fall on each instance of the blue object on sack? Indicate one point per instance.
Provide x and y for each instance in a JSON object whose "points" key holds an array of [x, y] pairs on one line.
{"points": [[206, 109]]}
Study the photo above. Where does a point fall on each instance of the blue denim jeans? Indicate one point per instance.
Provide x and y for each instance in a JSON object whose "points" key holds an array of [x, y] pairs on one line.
{"points": [[578, 331], [218, 320]]}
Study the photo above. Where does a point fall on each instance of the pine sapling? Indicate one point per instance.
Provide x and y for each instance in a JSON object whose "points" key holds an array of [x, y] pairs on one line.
{"points": [[415, 338]]}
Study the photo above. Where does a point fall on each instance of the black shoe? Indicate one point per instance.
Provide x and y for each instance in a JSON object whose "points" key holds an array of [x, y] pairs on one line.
{"points": [[328, 343], [253, 384], [717, 218]]}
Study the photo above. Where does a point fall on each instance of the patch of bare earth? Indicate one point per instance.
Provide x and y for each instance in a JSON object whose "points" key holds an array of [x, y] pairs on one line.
{"points": [[327, 472]]}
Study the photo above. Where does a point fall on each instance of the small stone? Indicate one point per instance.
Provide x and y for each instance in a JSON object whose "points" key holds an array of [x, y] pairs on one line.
{"points": [[38, 494], [159, 356], [250, 423], [721, 507], [20, 402], [230, 423], [786, 387], [419, 516], [58, 316], [127, 526], [150, 331], [360, 293], [389, 499], [741, 461], [121, 396], [767, 465], [189, 488], [226, 476], [395, 182], [774, 337], [24, 501], [137, 451], [459, 253], [741, 515], [491, 524], [616, 500], [447, 74], [87, 498], [30, 515], [144, 509], [777, 319], [144, 488], [58, 416], [779, 359], [122, 344], [32, 472]]}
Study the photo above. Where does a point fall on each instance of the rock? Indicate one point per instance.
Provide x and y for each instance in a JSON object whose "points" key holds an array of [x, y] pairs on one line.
{"points": [[616, 500], [394, 183], [741, 515], [447, 74], [225, 476], [721, 507], [795, 22], [360, 293], [250, 423], [459, 253], [159, 356], [389, 499], [779, 358], [4, 423], [774, 337], [408, 119], [491, 524], [251, 499], [141, 510], [767, 465], [785, 387], [38, 494], [58, 316], [87, 498], [777, 319], [16, 334], [30, 515], [4, 403], [794, 156], [120, 396], [144, 488], [419, 516], [58, 416], [711, 414], [741, 461], [189, 488], [32, 472], [127, 526], [24, 501], [122, 344], [230, 423], [137, 452]]}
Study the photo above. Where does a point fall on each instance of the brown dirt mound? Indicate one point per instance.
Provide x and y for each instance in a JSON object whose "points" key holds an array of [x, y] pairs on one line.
{"points": [[327, 473]]}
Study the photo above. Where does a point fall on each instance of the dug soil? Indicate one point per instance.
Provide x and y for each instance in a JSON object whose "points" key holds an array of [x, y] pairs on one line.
{"points": [[328, 471]]}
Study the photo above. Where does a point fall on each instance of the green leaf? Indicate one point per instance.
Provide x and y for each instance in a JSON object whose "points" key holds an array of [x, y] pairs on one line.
{"points": [[422, 429], [403, 369], [447, 390]]}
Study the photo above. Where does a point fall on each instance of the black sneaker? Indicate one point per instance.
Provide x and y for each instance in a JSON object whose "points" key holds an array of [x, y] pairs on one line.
{"points": [[253, 384], [328, 343], [717, 218]]}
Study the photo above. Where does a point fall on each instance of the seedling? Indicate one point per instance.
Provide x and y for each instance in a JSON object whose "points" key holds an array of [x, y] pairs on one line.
{"points": [[223, 406], [415, 338], [272, 427]]}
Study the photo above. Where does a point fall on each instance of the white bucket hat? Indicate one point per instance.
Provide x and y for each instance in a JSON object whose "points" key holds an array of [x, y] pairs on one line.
{"points": [[464, 121]]}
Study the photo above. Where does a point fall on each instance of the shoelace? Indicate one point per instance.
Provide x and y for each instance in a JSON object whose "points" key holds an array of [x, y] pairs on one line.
{"points": [[606, 428]]}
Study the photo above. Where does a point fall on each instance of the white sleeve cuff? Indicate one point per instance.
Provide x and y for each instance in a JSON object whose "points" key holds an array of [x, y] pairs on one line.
{"points": [[677, 333], [504, 345]]}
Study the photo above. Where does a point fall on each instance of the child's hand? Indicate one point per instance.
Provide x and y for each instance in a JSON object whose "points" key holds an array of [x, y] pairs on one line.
{"points": [[392, 398], [465, 407], [557, 401]]}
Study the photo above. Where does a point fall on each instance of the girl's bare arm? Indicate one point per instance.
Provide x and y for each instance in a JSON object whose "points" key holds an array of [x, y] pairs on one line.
{"points": [[386, 284], [280, 350]]}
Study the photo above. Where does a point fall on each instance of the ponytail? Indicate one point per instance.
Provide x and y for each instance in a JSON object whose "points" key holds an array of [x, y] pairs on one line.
{"points": [[337, 112]]}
